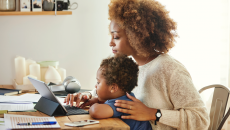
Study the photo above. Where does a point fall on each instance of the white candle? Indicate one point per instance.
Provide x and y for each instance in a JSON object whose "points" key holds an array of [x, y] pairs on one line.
{"points": [[52, 75], [28, 63], [35, 70], [26, 80], [20, 69], [62, 73]]}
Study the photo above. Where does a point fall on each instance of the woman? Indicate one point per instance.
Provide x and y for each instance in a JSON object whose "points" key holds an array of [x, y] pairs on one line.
{"points": [[165, 94]]}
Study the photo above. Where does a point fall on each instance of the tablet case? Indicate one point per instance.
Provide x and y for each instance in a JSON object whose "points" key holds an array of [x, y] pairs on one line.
{"points": [[49, 107]]}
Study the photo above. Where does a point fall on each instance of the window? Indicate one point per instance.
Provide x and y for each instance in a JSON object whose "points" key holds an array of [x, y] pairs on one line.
{"points": [[203, 44]]}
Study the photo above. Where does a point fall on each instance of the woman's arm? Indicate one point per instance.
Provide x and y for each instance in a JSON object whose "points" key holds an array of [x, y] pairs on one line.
{"points": [[100, 111], [189, 110]]}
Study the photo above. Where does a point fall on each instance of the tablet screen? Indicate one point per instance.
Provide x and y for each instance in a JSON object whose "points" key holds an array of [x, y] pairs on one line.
{"points": [[43, 89]]}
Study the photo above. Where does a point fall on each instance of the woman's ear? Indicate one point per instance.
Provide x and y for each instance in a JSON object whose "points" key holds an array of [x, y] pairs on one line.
{"points": [[114, 88]]}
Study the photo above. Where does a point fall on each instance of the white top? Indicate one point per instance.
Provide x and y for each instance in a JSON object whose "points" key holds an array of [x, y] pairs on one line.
{"points": [[165, 84]]}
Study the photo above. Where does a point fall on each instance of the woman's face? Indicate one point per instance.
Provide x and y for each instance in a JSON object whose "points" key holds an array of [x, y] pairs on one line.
{"points": [[102, 88], [119, 40]]}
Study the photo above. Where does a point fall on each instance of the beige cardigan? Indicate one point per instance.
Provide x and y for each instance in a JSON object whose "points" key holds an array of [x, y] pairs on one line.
{"points": [[165, 84]]}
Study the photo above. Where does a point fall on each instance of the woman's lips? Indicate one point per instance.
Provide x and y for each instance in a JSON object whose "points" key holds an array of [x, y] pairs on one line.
{"points": [[114, 51]]}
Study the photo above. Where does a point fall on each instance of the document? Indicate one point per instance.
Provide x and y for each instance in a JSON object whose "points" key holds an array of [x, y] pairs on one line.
{"points": [[2, 128], [34, 98], [12, 120], [11, 99], [28, 97], [17, 107], [61, 100], [7, 98], [1, 121]]}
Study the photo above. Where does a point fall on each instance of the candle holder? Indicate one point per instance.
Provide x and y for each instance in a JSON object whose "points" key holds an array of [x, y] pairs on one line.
{"points": [[7, 5], [48, 5]]}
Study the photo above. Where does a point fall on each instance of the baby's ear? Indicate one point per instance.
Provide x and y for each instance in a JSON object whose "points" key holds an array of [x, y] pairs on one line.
{"points": [[114, 88]]}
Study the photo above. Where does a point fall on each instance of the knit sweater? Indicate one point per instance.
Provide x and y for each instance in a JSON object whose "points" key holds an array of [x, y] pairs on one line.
{"points": [[165, 84]]}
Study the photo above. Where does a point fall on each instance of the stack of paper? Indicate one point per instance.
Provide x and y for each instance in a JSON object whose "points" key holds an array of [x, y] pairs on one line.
{"points": [[17, 107], [28, 98], [22, 98], [9, 103], [21, 103]]}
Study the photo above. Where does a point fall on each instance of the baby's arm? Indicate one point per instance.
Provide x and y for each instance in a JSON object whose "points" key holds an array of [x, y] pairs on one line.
{"points": [[100, 111]]}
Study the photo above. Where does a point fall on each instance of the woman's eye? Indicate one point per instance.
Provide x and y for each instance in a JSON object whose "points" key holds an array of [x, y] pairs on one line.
{"points": [[97, 82]]}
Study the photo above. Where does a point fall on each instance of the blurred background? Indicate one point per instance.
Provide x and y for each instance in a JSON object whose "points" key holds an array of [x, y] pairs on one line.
{"points": [[81, 40]]}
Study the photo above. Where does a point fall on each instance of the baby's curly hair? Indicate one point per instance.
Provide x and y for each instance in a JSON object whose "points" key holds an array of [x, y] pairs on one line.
{"points": [[149, 28], [120, 70]]}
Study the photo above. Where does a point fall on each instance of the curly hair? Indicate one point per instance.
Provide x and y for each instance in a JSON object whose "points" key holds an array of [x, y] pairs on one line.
{"points": [[149, 28], [120, 70]]}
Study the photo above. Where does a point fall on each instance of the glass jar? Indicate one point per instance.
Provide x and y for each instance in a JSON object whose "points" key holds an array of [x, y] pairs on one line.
{"points": [[7, 5]]}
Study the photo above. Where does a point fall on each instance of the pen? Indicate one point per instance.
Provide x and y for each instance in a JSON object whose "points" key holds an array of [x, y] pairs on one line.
{"points": [[39, 123]]}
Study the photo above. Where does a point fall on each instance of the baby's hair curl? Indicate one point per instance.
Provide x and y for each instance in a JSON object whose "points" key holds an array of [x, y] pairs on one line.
{"points": [[120, 70], [149, 28]]}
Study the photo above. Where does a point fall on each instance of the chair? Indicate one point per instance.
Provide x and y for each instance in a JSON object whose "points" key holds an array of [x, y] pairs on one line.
{"points": [[219, 103]]}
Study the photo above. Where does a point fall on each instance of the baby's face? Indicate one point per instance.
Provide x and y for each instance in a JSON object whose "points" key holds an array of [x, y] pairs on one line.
{"points": [[102, 88]]}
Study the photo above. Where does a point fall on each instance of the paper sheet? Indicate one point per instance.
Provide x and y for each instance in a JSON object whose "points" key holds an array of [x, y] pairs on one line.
{"points": [[61, 100], [17, 107], [2, 121], [28, 97], [12, 120], [7, 98], [3, 128], [12, 99], [34, 98]]}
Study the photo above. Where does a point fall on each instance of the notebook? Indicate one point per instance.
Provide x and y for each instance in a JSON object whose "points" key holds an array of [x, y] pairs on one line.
{"points": [[12, 120], [16, 90], [7, 92]]}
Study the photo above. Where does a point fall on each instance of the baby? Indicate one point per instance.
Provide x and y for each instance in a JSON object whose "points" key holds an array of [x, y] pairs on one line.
{"points": [[116, 76]]}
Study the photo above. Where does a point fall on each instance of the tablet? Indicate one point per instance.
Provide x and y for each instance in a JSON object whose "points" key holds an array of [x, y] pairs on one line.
{"points": [[45, 92]]}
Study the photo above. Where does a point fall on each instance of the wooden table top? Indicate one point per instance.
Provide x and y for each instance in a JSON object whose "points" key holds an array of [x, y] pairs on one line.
{"points": [[105, 124]]}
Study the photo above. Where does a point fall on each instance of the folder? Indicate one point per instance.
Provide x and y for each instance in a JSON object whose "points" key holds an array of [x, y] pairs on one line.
{"points": [[3, 111], [7, 92]]}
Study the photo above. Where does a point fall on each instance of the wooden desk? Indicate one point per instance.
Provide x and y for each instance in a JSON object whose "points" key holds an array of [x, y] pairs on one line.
{"points": [[105, 124]]}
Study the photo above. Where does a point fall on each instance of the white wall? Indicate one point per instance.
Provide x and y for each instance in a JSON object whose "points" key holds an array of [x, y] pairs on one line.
{"points": [[78, 41]]}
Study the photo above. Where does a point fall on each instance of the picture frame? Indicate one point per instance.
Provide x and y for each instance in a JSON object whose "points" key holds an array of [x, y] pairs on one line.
{"points": [[25, 5], [36, 5]]}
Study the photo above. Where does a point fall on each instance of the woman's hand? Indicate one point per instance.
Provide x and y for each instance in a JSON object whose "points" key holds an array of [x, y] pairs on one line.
{"points": [[77, 97], [136, 109]]}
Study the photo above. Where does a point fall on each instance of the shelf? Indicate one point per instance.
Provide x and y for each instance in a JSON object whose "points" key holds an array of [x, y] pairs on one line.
{"points": [[36, 13]]}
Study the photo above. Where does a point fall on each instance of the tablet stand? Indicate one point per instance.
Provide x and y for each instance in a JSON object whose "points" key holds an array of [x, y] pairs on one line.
{"points": [[49, 107]]}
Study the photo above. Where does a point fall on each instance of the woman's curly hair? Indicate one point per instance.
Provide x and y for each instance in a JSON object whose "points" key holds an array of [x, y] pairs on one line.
{"points": [[120, 70], [149, 28]]}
